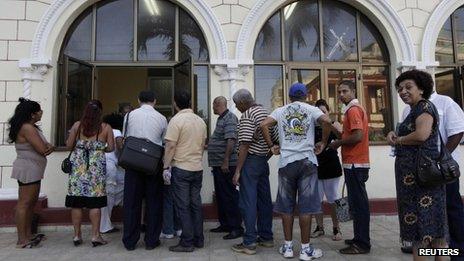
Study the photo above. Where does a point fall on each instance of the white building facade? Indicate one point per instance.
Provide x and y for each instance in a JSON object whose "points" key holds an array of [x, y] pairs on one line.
{"points": [[261, 45]]}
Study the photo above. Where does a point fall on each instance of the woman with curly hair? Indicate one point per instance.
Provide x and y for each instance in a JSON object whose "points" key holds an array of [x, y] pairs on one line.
{"points": [[89, 139], [422, 211], [29, 166]]}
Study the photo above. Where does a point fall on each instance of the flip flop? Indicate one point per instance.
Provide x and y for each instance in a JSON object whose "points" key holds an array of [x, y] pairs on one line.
{"points": [[30, 244]]}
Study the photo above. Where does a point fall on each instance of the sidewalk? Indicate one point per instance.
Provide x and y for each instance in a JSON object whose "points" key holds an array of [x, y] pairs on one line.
{"points": [[58, 246]]}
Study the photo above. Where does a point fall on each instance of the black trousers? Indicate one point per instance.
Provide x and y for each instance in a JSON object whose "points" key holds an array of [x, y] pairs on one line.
{"points": [[227, 200], [187, 199], [136, 187], [455, 210]]}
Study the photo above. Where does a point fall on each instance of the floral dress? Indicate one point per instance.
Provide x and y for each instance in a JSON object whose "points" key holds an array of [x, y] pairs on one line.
{"points": [[87, 181], [422, 211]]}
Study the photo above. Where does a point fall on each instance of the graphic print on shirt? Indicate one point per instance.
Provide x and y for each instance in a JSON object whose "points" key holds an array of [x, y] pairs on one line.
{"points": [[295, 124]]}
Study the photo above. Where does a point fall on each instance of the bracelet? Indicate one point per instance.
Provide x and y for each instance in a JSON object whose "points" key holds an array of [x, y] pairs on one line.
{"points": [[400, 141]]}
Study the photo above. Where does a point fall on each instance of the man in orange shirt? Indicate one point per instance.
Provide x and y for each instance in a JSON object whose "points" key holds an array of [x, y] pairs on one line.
{"points": [[355, 158]]}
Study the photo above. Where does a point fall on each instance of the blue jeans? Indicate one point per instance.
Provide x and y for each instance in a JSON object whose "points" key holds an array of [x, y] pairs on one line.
{"points": [[187, 199], [255, 199], [455, 210], [355, 179], [170, 218]]}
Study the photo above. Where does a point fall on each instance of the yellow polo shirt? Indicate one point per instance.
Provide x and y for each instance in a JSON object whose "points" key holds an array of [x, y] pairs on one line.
{"points": [[188, 130]]}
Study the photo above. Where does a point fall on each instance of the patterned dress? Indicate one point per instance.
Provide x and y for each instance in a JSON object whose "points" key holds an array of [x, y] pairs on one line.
{"points": [[87, 181], [422, 211]]}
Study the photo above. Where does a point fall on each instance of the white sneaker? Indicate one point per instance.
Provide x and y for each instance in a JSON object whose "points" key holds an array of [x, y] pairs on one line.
{"points": [[166, 236], [179, 232], [286, 251], [310, 253]]}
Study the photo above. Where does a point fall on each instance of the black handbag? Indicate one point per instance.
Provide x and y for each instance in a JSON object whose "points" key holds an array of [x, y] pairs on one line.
{"points": [[139, 154], [66, 164], [435, 172]]}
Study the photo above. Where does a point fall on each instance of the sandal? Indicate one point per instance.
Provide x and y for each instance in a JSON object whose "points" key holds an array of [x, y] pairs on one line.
{"points": [[354, 250], [99, 243], [337, 235], [30, 244], [39, 237]]}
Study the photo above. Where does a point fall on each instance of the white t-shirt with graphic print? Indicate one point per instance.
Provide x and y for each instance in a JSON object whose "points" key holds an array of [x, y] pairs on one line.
{"points": [[296, 123]]}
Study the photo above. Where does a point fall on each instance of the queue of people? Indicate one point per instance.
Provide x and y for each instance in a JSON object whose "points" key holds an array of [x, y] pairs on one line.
{"points": [[304, 137]]}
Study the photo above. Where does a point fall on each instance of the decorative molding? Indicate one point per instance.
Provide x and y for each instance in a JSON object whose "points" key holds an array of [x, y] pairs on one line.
{"points": [[36, 66], [436, 21], [32, 70], [263, 9], [229, 73], [58, 7]]}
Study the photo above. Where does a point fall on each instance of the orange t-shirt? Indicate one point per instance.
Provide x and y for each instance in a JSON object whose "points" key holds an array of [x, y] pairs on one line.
{"points": [[356, 119]]}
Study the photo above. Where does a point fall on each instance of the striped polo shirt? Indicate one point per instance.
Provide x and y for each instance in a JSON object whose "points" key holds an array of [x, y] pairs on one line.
{"points": [[250, 132]]}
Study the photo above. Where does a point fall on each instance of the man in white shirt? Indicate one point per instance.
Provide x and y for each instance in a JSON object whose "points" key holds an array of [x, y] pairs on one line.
{"points": [[451, 127], [144, 122]]}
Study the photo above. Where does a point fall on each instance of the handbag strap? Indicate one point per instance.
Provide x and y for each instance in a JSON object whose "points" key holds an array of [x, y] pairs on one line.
{"points": [[126, 125], [343, 189], [75, 140], [436, 121]]}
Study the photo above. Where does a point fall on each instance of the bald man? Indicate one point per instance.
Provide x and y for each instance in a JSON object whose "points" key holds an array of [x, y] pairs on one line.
{"points": [[222, 158]]}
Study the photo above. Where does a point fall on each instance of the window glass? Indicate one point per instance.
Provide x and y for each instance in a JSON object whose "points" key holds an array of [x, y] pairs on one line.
{"points": [[333, 78], [268, 86], [445, 83], [79, 43], [115, 36], [444, 47], [339, 34], [268, 44], [377, 102], [191, 41], [201, 83], [302, 35], [373, 48], [156, 30], [459, 27], [312, 80]]}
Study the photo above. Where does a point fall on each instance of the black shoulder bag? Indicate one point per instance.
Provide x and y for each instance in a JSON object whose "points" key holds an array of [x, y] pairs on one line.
{"points": [[435, 172], [66, 164], [140, 154]]}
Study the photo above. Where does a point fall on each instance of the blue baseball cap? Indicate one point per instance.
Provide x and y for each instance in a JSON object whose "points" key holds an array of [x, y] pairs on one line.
{"points": [[298, 90]]}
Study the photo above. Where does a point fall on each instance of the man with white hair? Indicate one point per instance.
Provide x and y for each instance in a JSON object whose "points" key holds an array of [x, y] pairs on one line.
{"points": [[252, 175]]}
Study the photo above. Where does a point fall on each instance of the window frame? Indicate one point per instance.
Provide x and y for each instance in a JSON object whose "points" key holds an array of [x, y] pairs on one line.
{"points": [[325, 66]]}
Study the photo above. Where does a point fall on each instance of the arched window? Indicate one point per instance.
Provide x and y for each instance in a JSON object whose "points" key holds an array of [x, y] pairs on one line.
{"points": [[449, 52], [319, 43], [116, 48]]}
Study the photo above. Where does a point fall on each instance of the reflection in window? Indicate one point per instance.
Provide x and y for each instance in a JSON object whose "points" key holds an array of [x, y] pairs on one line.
{"points": [[268, 44], [459, 20], [444, 82], [201, 84], [115, 36], [312, 80], [373, 49], [79, 44], [444, 46], [334, 77], [340, 33], [302, 35], [156, 30], [376, 100], [268, 86], [191, 40]]}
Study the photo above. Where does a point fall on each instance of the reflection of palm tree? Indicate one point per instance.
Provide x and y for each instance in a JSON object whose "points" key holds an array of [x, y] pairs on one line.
{"points": [[163, 27], [303, 19]]}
